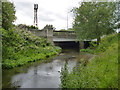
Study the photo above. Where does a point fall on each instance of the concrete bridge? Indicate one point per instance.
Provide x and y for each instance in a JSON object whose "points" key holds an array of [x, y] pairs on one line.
{"points": [[62, 38]]}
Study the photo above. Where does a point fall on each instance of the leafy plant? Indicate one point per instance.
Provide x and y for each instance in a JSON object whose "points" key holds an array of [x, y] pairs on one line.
{"points": [[93, 44], [100, 72], [8, 15], [93, 19], [21, 47], [82, 50]]}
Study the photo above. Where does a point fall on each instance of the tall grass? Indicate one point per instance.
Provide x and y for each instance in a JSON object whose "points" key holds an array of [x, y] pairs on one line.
{"points": [[101, 72]]}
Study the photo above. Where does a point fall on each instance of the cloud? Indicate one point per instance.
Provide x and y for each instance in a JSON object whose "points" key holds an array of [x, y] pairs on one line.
{"points": [[49, 12]]}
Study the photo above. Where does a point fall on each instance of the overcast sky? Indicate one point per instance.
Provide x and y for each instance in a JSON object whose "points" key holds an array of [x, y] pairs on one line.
{"points": [[49, 12]]}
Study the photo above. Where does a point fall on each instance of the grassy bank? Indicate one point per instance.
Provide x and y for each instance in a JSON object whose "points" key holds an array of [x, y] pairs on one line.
{"points": [[101, 72], [20, 47]]}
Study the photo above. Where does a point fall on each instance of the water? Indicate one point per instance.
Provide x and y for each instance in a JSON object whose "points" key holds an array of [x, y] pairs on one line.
{"points": [[42, 75]]}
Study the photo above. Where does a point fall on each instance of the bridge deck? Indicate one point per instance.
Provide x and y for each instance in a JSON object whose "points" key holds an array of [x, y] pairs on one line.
{"points": [[62, 40], [67, 40]]}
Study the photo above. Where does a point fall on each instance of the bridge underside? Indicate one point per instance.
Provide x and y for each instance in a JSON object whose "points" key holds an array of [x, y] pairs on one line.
{"points": [[72, 44], [68, 45]]}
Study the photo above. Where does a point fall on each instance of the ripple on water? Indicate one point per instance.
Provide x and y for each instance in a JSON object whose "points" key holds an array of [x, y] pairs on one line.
{"points": [[43, 75]]}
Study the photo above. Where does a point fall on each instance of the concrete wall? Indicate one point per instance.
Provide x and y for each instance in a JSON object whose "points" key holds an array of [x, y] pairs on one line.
{"points": [[40, 33], [55, 34], [50, 34], [44, 33], [64, 34]]}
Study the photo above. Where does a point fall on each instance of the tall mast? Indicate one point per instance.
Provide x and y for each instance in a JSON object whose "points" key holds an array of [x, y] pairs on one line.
{"points": [[35, 15]]}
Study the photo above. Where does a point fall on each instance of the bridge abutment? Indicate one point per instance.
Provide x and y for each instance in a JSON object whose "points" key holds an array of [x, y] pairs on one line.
{"points": [[62, 38], [49, 35], [81, 44]]}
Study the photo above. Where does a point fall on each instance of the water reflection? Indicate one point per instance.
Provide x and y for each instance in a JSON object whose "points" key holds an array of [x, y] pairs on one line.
{"points": [[42, 75]]}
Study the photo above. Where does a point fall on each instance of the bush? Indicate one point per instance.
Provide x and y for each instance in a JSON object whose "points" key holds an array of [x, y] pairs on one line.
{"points": [[93, 44], [21, 47], [8, 15], [82, 50], [107, 42], [101, 72], [103, 46], [87, 50]]}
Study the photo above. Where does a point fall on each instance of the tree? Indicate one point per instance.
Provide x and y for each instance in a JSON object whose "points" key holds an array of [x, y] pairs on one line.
{"points": [[26, 26], [33, 27], [8, 15], [93, 19], [117, 15], [49, 27]]}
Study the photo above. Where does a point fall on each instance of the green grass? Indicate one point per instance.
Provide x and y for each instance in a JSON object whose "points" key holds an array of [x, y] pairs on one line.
{"points": [[101, 72], [20, 47], [104, 44]]}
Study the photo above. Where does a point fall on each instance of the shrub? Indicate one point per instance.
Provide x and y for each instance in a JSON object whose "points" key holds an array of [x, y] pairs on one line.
{"points": [[100, 72], [82, 50], [93, 44], [21, 46]]}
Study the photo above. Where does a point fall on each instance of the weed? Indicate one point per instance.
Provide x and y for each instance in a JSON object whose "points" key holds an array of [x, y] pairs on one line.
{"points": [[101, 72]]}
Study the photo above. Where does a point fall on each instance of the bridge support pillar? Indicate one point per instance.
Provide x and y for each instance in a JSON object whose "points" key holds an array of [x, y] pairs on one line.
{"points": [[49, 35], [50, 39], [81, 45]]}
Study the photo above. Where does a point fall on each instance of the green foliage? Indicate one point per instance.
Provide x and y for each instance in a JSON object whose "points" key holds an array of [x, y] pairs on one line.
{"points": [[93, 19], [87, 50], [63, 30], [64, 74], [93, 44], [116, 13], [90, 49], [106, 42], [70, 29], [67, 30], [21, 46], [0, 14], [23, 26], [33, 27], [49, 27], [82, 50], [8, 15], [100, 72]]}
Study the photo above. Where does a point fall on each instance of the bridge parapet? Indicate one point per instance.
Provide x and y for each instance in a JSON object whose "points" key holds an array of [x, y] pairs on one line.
{"points": [[64, 34], [39, 33], [42, 33]]}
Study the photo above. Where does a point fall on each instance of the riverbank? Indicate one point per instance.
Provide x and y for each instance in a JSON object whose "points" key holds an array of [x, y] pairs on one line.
{"points": [[20, 47], [100, 72], [41, 75]]}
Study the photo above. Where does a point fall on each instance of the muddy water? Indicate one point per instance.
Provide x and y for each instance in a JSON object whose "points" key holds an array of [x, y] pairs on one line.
{"points": [[42, 75]]}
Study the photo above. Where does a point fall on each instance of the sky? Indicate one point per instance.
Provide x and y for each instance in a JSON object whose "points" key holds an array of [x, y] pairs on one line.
{"points": [[53, 12]]}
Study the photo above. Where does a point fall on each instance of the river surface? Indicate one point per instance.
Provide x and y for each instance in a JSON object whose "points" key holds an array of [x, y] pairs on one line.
{"points": [[42, 75]]}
